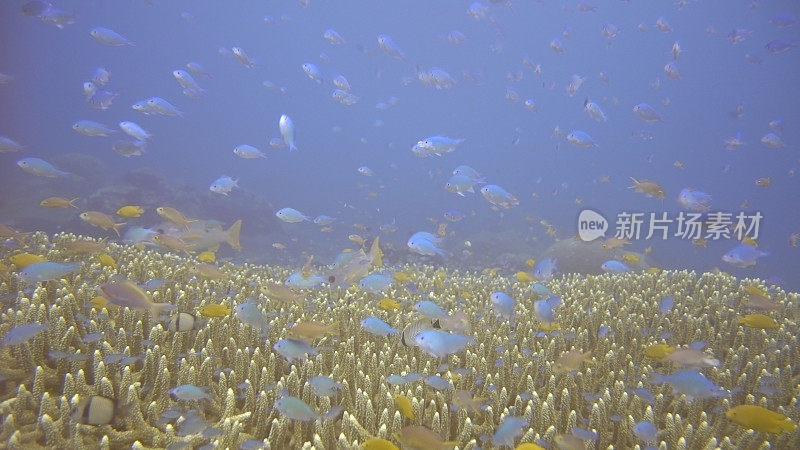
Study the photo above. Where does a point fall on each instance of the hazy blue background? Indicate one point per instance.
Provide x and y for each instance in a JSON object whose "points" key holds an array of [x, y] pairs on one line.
{"points": [[507, 143]]}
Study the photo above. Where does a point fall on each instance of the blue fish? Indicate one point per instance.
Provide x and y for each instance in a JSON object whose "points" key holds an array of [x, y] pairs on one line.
{"points": [[40, 168], [376, 283], [743, 256], [614, 266], [691, 383], [46, 271], [503, 305], [545, 269], [377, 326], [694, 199], [454, 215]]}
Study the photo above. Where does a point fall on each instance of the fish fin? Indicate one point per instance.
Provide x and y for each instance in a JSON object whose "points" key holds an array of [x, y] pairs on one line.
{"points": [[233, 235], [116, 230], [471, 189], [375, 253], [158, 308]]}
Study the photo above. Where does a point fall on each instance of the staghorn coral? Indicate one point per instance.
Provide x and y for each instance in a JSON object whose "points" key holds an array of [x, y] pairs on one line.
{"points": [[511, 367]]}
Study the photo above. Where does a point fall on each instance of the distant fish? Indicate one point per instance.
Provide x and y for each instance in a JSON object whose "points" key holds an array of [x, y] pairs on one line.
{"points": [[743, 256], [286, 127], [40, 168], [91, 128], [545, 269], [22, 334], [498, 196], [647, 113], [389, 47], [245, 151], [109, 37], [333, 37], [291, 215], [224, 185], [580, 138]]}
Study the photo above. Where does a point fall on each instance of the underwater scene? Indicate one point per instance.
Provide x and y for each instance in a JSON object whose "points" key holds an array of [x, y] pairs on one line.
{"points": [[319, 224]]}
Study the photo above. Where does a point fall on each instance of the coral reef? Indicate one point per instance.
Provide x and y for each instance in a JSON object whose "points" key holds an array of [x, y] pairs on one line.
{"points": [[137, 359]]}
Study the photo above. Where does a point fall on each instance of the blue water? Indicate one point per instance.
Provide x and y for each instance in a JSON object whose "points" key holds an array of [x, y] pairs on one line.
{"points": [[508, 144]]}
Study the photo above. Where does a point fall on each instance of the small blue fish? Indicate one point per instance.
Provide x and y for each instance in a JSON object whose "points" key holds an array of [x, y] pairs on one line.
{"points": [[645, 395], [543, 309], [430, 309], [291, 215], [294, 350], [296, 409], [246, 151], [324, 386], [508, 431], [377, 326], [91, 128], [614, 266], [389, 47], [440, 344], [743, 256], [313, 72], [286, 127], [541, 290], [323, 220], [250, 314], [424, 247], [694, 200], [40, 168], [376, 283], [646, 432], [109, 37], [545, 269], [454, 215], [498, 196], [691, 383], [647, 113], [46, 271], [188, 393], [438, 383], [160, 106], [22, 334], [503, 305], [580, 138]]}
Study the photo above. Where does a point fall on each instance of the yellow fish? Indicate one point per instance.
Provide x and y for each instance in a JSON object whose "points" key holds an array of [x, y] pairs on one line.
{"points": [[404, 406], [442, 231], [207, 257], [23, 260], [654, 270], [99, 303], [388, 304], [747, 240], [760, 419], [402, 277], [378, 444], [755, 290], [571, 360], [130, 211], [214, 310], [528, 446], [530, 262], [58, 202], [658, 351], [174, 216], [631, 258], [647, 187], [759, 321], [106, 260], [549, 326], [523, 277]]}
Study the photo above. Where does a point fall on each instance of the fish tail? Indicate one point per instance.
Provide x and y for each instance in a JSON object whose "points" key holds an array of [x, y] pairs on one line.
{"points": [[292, 147], [233, 235], [72, 202], [116, 230], [157, 309], [375, 253]]}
